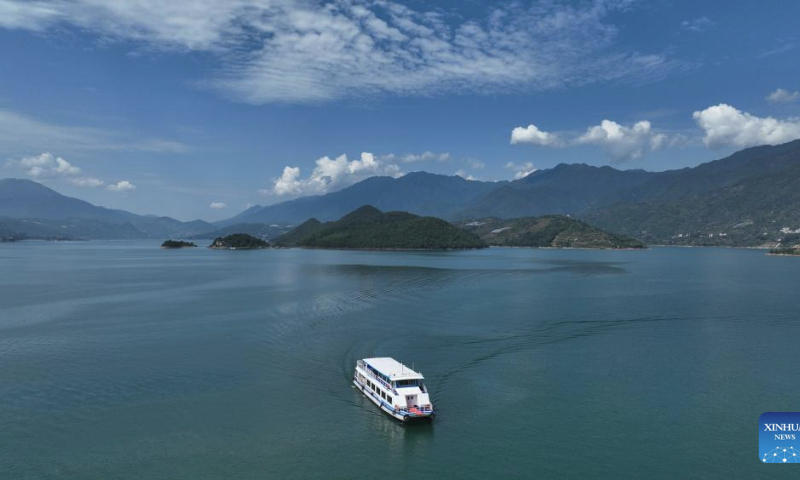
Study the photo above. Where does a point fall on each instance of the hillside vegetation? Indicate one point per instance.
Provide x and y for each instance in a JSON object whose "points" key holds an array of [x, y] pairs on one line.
{"points": [[369, 228], [556, 231], [239, 241]]}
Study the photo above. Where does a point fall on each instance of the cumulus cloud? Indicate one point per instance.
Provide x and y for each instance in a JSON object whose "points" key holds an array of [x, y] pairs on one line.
{"points": [[46, 165], [466, 176], [726, 126], [218, 205], [122, 186], [531, 134], [621, 142], [330, 175], [783, 96], [521, 170], [288, 51], [87, 182]]}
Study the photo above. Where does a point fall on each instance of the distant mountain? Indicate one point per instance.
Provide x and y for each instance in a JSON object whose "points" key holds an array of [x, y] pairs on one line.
{"points": [[369, 228], [31, 210], [748, 199], [564, 189], [742, 200], [556, 231], [66, 229], [260, 230], [745, 199], [419, 192]]}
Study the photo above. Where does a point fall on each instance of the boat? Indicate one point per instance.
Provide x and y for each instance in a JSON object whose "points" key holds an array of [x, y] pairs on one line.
{"points": [[396, 389]]}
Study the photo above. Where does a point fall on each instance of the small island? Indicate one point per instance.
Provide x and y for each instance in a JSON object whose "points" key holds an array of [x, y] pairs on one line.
{"points": [[368, 228], [239, 241], [177, 244]]}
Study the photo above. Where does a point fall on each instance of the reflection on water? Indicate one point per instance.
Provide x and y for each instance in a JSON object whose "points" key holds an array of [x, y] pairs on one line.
{"points": [[400, 439], [121, 360]]}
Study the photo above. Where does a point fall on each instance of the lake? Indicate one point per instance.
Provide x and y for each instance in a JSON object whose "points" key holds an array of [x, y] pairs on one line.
{"points": [[123, 360]]}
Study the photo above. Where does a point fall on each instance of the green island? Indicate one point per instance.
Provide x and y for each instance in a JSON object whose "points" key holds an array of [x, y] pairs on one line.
{"points": [[368, 228], [549, 231], [239, 241], [177, 244]]}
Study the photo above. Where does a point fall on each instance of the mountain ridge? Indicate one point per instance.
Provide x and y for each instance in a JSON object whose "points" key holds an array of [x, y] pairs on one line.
{"points": [[28, 208]]}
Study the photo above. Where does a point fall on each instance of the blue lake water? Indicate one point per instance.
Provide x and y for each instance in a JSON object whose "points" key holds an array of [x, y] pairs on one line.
{"points": [[122, 360]]}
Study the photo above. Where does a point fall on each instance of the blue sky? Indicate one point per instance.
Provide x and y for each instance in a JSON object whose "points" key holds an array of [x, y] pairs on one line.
{"points": [[198, 109]]}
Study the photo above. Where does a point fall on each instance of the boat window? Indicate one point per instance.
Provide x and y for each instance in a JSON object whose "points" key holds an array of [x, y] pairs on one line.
{"points": [[407, 383]]}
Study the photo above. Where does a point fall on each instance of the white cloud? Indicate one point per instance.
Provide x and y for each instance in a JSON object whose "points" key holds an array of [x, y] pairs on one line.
{"points": [[465, 176], [218, 205], [474, 163], [621, 142], [330, 175], [45, 165], [122, 186], [521, 170], [726, 126], [91, 182], [698, 24], [783, 96], [426, 156], [288, 51], [531, 134]]}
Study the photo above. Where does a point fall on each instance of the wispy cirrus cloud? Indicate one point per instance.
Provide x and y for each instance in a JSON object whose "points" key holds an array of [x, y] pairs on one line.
{"points": [[281, 51], [699, 24], [21, 133], [426, 156]]}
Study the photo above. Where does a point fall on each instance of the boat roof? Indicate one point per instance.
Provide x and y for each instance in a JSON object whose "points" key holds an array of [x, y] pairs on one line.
{"points": [[392, 368]]}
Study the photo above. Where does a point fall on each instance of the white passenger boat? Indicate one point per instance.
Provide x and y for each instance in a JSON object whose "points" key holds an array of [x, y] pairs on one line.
{"points": [[394, 388]]}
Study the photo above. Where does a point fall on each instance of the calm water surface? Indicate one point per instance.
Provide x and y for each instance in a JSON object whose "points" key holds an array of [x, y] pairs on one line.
{"points": [[122, 360]]}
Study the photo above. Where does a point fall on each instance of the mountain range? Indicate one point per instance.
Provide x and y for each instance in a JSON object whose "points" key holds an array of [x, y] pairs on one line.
{"points": [[31, 210], [747, 199]]}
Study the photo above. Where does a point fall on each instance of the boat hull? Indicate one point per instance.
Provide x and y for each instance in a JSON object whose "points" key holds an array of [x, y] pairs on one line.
{"points": [[401, 416]]}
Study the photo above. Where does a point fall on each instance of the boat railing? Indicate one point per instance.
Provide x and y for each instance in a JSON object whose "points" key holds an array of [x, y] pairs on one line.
{"points": [[422, 408], [378, 379]]}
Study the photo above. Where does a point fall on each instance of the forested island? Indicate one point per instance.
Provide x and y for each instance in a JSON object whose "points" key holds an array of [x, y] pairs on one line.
{"points": [[548, 231], [368, 228], [239, 241], [177, 244]]}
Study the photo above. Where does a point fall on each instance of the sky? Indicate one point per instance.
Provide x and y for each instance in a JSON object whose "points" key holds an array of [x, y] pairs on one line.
{"points": [[200, 109]]}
